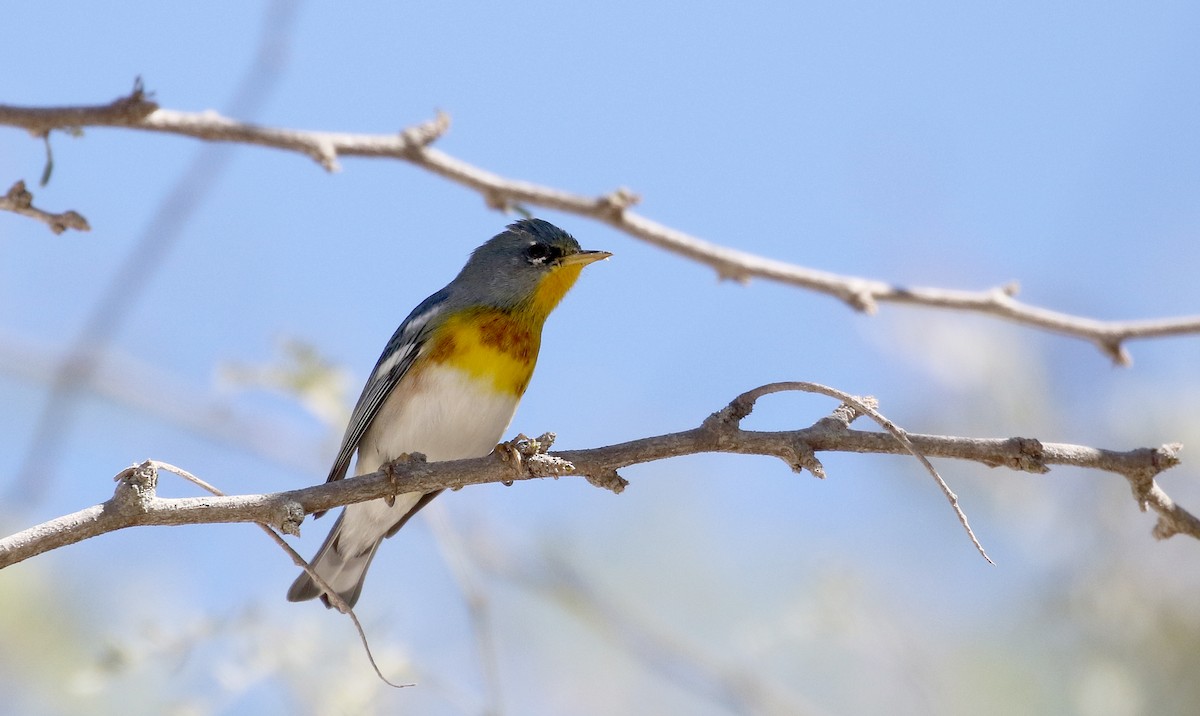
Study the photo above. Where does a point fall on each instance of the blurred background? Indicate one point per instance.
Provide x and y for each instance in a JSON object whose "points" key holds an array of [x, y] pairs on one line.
{"points": [[230, 301]]}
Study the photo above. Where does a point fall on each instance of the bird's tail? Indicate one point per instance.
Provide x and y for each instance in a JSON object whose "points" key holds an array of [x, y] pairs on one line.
{"points": [[343, 572]]}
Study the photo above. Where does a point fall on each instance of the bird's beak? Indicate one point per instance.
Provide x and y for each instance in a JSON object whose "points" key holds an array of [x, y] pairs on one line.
{"points": [[584, 258]]}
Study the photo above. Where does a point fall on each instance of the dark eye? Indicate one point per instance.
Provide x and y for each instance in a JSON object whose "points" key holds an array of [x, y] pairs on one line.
{"points": [[537, 253]]}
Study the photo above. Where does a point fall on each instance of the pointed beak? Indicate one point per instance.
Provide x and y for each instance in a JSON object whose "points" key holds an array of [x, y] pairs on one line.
{"points": [[585, 257]]}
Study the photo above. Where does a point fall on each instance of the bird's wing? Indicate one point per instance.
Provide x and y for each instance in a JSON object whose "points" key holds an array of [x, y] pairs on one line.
{"points": [[393, 364]]}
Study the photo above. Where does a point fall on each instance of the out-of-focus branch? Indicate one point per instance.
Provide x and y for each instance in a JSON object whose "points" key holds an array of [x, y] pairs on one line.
{"points": [[19, 200], [672, 656], [136, 502], [148, 253], [413, 145]]}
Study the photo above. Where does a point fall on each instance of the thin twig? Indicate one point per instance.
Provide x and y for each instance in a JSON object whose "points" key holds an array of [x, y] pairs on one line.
{"points": [[285, 510], [128, 284], [745, 404], [454, 554], [19, 200], [334, 598], [675, 658], [413, 145]]}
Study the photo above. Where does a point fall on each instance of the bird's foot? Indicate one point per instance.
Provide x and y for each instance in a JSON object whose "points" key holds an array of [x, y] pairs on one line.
{"points": [[515, 451], [389, 469]]}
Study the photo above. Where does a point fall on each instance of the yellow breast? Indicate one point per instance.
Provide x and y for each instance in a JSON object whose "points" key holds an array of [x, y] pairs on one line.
{"points": [[489, 344]]}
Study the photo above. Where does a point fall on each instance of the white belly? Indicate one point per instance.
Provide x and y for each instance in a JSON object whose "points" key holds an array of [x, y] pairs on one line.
{"points": [[465, 419]]}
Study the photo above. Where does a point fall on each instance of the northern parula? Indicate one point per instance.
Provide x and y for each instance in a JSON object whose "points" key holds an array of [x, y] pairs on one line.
{"points": [[447, 384]]}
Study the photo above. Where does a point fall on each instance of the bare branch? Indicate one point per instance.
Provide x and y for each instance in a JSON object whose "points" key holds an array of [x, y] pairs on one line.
{"points": [[20, 201], [676, 658], [413, 145], [152, 247], [137, 112], [135, 502], [744, 404], [334, 598]]}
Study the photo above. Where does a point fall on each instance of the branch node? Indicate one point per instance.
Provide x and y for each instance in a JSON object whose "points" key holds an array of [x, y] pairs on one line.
{"points": [[1142, 484], [136, 486], [614, 204], [845, 414], [608, 480], [732, 272], [860, 298], [731, 415], [1114, 348], [548, 466], [1164, 528], [19, 200], [1028, 455], [1141, 481], [20, 197], [137, 105], [802, 457], [422, 135], [324, 151], [1166, 456], [496, 200], [528, 447], [529, 459], [293, 516]]}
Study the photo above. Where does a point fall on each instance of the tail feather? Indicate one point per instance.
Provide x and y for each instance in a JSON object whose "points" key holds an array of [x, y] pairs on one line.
{"points": [[343, 559], [345, 573]]}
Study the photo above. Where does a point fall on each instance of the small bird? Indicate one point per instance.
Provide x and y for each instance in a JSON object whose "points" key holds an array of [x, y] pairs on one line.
{"points": [[446, 385]]}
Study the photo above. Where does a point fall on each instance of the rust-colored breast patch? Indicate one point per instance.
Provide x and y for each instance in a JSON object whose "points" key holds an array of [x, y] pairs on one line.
{"points": [[506, 336], [489, 344]]}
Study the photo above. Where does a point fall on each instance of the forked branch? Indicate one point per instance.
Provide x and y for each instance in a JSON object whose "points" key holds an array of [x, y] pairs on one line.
{"points": [[136, 503], [413, 145]]}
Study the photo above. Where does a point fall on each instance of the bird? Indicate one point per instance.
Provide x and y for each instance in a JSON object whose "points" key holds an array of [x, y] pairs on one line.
{"points": [[446, 385]]}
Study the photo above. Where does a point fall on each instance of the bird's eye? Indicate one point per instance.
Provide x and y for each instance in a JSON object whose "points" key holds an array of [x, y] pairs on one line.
{"points": [[537, 253]]}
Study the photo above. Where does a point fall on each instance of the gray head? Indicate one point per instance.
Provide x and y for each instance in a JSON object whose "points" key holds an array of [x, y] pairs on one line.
{"points": [[530, 264]]}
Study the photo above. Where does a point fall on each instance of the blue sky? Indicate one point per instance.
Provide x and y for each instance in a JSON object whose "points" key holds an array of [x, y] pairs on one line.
{"points": [[961, 145]]}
